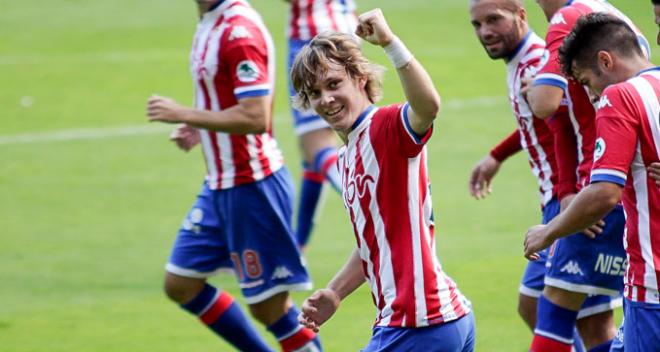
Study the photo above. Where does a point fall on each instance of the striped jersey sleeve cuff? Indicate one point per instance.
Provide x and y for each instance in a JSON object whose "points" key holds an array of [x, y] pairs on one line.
{"points": [[258, 90], [415, 137], [608, 175], [549, 79]]}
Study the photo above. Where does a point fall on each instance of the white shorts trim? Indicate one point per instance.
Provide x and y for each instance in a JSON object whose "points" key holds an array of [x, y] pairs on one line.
{"points": [[553, 336], [171, 268], [530, 292], [590, 290], [605, 307], [304, 286]]}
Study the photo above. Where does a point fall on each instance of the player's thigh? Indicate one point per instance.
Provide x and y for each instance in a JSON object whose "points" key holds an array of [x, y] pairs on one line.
{"points": [[312, 142], [260, 238]]}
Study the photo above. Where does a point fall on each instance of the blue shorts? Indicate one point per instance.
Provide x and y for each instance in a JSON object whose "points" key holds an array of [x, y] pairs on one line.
{"points": [[303, 121], [641, 327], [532, 282], [454, 336], [247, 228], [578, 263]]}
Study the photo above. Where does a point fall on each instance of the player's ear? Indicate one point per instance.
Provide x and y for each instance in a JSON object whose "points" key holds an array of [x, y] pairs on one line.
{"points": [[604, 59], [362, 82]]}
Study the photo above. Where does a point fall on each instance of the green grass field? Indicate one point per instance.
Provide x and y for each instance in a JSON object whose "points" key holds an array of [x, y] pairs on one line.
{"points": [[88, 212]]}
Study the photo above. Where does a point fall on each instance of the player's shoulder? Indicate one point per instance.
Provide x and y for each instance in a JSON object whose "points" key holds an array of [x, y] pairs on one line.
{"points": [[564, 20], [243, 26], [614, 97]]}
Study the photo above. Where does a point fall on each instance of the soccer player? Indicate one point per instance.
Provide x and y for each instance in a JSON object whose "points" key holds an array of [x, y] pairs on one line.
{"points": [[656, 12], [386, 191], [242, 216], [502, 29], [317, 142], [573, 272], [602, 52]]}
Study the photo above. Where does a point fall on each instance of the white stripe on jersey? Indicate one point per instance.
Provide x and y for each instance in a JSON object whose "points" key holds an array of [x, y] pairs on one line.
{"points": [[652, 107], [579, 139], [415, 231], [228, 166]]}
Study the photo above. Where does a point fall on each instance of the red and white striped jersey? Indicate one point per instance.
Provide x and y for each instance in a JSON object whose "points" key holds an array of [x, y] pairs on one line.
{"points": [[535, 136], [580, 109], [629, 141], [386, 191], [232, 57], [311, 17]]}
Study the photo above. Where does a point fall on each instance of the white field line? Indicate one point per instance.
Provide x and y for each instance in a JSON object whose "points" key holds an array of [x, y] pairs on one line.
{"points": [[148, 129]]}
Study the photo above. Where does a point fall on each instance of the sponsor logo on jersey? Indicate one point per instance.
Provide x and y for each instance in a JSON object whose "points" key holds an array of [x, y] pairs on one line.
{"points": [[281, 272], [239, 32], [603, 102], [599, 149], [247, 71], [611, 265], [572, 268], [558, 19]]}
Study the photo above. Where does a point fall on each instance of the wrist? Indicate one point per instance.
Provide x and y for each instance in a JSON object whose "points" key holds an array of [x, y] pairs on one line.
{"points": [[398, 53]]}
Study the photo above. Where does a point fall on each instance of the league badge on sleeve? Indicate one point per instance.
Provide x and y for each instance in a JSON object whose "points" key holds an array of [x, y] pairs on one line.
{"points": [[599, 150], [247, 71]]}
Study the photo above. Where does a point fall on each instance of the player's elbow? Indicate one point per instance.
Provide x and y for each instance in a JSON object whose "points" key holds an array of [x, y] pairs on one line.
{"points": [[430, 109], [257, 115], [542, 109]]}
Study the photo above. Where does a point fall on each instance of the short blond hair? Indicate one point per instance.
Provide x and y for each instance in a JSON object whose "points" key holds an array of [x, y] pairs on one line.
{"points": [[327, 48]]}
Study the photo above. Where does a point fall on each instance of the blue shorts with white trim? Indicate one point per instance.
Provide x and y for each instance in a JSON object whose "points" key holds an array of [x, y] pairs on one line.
{"points": [[246, 228]]}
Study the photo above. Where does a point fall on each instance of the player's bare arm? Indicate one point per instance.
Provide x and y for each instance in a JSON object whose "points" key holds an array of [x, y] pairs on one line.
{"points": [[422, 96], [323, 303], [588, 207], [250, 116], [544, 100], [654, 172]]}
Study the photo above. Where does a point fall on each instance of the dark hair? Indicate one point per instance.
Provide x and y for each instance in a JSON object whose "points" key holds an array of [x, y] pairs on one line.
{"points": [[655, 2], [596, 32]]}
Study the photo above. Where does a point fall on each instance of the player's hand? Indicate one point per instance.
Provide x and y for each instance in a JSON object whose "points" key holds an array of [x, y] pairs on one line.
{"points": [[164, 110], [482, 175], [594, 230], [536, 240], [318, 308], [654, 172], [373, 28], [185, 137]]}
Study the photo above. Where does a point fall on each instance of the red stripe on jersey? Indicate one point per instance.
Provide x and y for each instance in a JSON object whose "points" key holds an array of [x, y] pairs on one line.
{"points": [[218, 307], [331, 15], [369, 232], [310, 19], [293, 23], [240, 152], [398, 234]]}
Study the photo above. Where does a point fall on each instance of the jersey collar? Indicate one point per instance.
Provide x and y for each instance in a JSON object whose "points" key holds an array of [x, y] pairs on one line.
{"points": [[657, 68], [519, 47], [362, 116]]}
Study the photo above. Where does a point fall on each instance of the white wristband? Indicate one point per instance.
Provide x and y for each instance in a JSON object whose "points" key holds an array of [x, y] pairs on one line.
{"points": [[398, 54]]}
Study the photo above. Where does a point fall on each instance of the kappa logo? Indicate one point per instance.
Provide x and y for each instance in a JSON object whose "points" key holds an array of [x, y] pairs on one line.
{"points": [[281, 272], [599, 149], [572, 268], [603, 102], [558, 19], [239, 32], [247, 71]]}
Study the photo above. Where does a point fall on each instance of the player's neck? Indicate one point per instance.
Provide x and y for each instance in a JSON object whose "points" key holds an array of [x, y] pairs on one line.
{"points": [[206, 6]]}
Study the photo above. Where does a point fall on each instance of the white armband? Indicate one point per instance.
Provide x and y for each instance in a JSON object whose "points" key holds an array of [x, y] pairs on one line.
{"points": [[398, 54]]}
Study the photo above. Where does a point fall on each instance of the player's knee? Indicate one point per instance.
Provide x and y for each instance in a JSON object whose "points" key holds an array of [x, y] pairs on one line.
{"points": [[597, 329], [182, 290], [269, 311]]}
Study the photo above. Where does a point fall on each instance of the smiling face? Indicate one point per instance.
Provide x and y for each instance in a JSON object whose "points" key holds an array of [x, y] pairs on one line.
{"points": [[338, 98], [500, 28]]}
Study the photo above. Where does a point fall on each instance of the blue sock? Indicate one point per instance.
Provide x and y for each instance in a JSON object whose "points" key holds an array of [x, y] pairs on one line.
{"points": [[325, 163], [218, 310], [603, 347], [554, 327], [310, 195], [292, 336]]}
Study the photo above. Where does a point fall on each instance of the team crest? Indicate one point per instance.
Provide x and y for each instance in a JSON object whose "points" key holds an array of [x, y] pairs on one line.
{"points": [[247, 71], [603, 102], [599, 150]]}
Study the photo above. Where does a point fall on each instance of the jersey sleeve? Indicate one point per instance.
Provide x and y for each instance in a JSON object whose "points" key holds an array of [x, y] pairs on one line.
{"points": [[394, 128], [565, 146], [507, 147], [246, 57], [550, 73], [617, 137]]}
